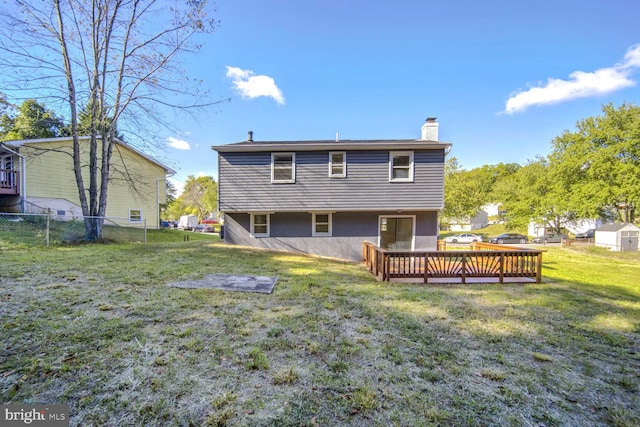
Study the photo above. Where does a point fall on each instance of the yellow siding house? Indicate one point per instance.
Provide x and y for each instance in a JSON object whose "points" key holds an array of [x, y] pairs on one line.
{"points": [[45, 182]]}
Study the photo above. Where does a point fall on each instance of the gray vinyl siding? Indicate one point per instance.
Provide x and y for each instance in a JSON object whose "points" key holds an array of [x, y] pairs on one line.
{"points": [[245, 183], [292, 231]]}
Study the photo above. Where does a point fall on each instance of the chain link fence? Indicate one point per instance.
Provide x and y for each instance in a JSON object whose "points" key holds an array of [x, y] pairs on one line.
{"points": [[39, 229]]}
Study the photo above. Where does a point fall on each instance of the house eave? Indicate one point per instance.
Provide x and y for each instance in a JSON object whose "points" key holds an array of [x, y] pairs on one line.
{"points": [[325, 209], [353, 145]]}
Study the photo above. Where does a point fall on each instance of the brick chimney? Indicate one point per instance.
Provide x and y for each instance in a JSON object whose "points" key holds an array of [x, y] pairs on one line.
{"points": [[430, 129]]}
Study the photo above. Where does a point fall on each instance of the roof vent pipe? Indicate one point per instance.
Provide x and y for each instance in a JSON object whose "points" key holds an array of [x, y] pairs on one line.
{"points": [[250, 137]]}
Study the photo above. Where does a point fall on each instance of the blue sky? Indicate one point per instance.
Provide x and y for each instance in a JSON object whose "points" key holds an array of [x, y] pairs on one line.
{"points": [[502, 77]]}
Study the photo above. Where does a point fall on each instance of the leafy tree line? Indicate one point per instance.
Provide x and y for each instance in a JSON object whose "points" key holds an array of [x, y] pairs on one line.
{"points": [[591, 172], [33, 120]]}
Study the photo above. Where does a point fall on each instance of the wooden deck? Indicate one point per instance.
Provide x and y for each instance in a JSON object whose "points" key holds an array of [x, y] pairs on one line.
{"points": [[483, 263], [9, 182]]}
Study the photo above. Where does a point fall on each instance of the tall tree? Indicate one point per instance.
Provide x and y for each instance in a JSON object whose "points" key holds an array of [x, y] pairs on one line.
{"points": [[599, 163], [33, 120], [467, 191], [199, 197], [167, 212], [6, 119], [4, 104], [459, 200], [532, 194], [118, 57]]}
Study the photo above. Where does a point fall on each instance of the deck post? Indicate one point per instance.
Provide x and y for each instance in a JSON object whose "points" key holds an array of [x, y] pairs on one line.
{"points": [[464, 268], [386, 267], [365, 252], [501, 268], [426, 268], [539, 268]]}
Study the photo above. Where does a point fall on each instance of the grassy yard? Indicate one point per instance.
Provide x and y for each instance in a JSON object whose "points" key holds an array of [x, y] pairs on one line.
{"points": [[96, 327]]}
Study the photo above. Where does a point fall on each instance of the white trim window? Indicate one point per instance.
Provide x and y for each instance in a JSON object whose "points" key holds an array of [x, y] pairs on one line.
{"points": [[260, 224], [401, 166], [283, 168], [322, 224], [135, 215], [337, 164]]}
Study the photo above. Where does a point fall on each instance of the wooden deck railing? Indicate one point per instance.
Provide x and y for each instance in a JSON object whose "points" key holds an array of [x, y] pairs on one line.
{"points": [[483, 260], [9, 182]]}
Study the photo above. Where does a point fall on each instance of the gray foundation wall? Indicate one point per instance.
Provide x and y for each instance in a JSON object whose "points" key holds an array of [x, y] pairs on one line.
{"points": [[292, 231], [10, 204]]}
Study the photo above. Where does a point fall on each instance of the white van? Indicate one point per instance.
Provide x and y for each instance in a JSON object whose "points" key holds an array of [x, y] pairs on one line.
{"points": [[187, 222]]}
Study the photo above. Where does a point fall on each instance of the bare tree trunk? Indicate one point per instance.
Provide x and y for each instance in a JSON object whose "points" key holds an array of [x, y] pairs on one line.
{"points": [[77, 154]]}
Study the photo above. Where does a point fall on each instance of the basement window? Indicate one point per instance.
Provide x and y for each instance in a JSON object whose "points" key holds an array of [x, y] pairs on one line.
{"points": [[260, 225], [321, 224]]}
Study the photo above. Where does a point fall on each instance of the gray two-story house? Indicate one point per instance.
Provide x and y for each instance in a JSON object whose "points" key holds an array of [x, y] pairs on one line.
{"points": [[327, 197]]}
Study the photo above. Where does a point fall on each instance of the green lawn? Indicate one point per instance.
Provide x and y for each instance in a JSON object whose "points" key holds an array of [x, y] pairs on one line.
{"points": [[95, 327], [34, 231]]}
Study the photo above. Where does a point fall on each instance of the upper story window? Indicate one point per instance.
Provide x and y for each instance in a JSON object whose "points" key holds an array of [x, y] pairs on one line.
{"points": [[337, 164], [135, 215], [283, 167], [260, 225], [321, 224], [401, 166]]}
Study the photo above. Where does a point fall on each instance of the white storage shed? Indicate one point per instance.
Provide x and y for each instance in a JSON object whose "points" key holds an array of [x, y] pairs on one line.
{"points": [[618, 236]]}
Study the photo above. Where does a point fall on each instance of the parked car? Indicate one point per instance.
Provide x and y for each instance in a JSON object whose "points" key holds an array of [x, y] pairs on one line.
{"points": [[550, 238], [208, 221], [203, 228], [463, 238], [509, 238], [589, 234]]}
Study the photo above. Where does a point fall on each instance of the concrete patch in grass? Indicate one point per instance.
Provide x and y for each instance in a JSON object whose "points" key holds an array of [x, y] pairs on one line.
{"points": [[231, 282]]}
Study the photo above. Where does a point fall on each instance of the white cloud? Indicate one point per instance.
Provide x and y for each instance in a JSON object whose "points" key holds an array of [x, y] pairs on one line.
{"points": [[178, 144], [250, 85], [579, 85]]}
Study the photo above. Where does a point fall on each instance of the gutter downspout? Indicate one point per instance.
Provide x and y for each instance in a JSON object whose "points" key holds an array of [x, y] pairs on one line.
{"points": [[23, 178]]}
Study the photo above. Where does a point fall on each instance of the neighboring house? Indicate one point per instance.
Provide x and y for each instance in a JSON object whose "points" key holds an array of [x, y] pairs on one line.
{"points": [[494, 212], [36, 176], [618, 236], [493, 209], [569, 227], [479, 220], [328, 197]]}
